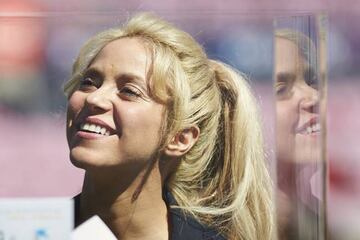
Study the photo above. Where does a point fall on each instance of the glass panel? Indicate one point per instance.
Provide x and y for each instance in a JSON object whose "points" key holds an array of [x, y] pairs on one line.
{"points": [[300, 89], [344, 127]]}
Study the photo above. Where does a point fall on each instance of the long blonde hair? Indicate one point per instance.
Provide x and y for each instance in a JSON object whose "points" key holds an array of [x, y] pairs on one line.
{"points": [[223, 180]]}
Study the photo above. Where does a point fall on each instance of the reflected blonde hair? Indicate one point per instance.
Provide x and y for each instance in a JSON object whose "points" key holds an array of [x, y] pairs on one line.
{"points": [[306, 46], [223, 180]]}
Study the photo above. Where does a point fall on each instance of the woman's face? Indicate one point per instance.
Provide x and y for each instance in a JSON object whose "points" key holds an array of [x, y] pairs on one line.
{"points": [[112, 121], [297, 106]]}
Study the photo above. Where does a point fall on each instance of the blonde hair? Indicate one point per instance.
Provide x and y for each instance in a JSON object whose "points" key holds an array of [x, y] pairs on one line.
{"points": [[306, 46], [223, 180]]}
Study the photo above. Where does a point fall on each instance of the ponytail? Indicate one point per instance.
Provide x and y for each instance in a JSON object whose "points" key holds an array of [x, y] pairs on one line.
{"points": [[244, 172], [223, 181]]}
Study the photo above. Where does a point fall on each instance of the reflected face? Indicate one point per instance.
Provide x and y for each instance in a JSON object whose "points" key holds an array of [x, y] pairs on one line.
{"points": [[297, 106], [112, 121]]}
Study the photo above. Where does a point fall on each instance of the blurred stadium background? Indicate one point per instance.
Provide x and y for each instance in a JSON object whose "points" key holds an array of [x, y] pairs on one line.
{"points": [[39, 40]]}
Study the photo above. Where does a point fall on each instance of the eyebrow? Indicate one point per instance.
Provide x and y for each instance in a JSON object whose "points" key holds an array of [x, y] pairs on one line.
{"points": [[119, 78], [93, 72], [131, 77], [285, 77]]}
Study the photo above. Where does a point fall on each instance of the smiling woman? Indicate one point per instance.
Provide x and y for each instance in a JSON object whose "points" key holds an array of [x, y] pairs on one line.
{"points": [[169, 139], [112, 97], [298, 120], [300, 112]]}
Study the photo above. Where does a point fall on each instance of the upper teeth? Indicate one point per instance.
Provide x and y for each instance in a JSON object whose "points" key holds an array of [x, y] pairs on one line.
{"points": [[313, 128], [94, 128]]}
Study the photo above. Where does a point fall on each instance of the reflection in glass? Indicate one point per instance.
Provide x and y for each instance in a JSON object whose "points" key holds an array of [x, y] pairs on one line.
{"points": [[300, 102]]}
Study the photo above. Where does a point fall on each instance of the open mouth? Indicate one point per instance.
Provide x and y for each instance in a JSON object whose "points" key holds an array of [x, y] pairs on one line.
{"points": [[94, 128], [311, 129]]}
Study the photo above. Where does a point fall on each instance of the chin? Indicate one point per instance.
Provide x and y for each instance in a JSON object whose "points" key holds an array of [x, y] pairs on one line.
{"points": [[308, 153], [78, 163], [285, 157], [308, 158], [93, 159], [83, 159]]}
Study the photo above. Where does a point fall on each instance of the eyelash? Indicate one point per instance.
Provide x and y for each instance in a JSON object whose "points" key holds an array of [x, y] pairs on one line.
{"points": [[126, 91], [129, 92], [281, 89], [86, 82]]}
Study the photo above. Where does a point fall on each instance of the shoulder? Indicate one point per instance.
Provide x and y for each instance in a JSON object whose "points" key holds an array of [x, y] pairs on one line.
{"points": [[183, 226]]}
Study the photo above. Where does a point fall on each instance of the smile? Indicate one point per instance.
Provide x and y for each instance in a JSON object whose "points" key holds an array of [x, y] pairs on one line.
{"points": [[313, 128], [94, 128]]}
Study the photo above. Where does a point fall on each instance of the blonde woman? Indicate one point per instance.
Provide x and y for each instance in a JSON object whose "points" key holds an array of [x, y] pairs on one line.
{"points": [[298, 104], [169, 139]]}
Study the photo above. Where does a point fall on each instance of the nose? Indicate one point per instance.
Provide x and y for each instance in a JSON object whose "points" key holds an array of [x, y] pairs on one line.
{"points": [[99, 100], [309, 100]]}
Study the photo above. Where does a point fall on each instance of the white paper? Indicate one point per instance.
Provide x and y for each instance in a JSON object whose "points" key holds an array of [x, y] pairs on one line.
{"points": [[93, 229]]}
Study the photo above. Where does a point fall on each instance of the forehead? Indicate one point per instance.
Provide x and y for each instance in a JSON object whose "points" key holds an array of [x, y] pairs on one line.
{"points": [[123, 55], [287, 55]]}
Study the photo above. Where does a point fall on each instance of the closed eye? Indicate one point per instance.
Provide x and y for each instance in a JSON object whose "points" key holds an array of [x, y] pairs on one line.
{"points": [[90, 78], [284, 83], [129, 92], [87, 81], [87, 84], [281, 89]]}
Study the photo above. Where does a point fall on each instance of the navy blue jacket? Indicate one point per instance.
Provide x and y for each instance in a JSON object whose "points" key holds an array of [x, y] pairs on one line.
{"points": [[184, 227]]}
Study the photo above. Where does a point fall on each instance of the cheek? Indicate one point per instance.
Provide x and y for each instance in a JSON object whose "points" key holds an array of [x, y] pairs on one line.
{"points": [[287, 116], [145, 122], [75, 104]]}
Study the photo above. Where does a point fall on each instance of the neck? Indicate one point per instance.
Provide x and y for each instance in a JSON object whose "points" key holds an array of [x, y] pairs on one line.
{"points": [[131, 207]]}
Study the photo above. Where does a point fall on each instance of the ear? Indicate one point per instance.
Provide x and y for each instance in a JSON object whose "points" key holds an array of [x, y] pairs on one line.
{"points": [[182, 142]]}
